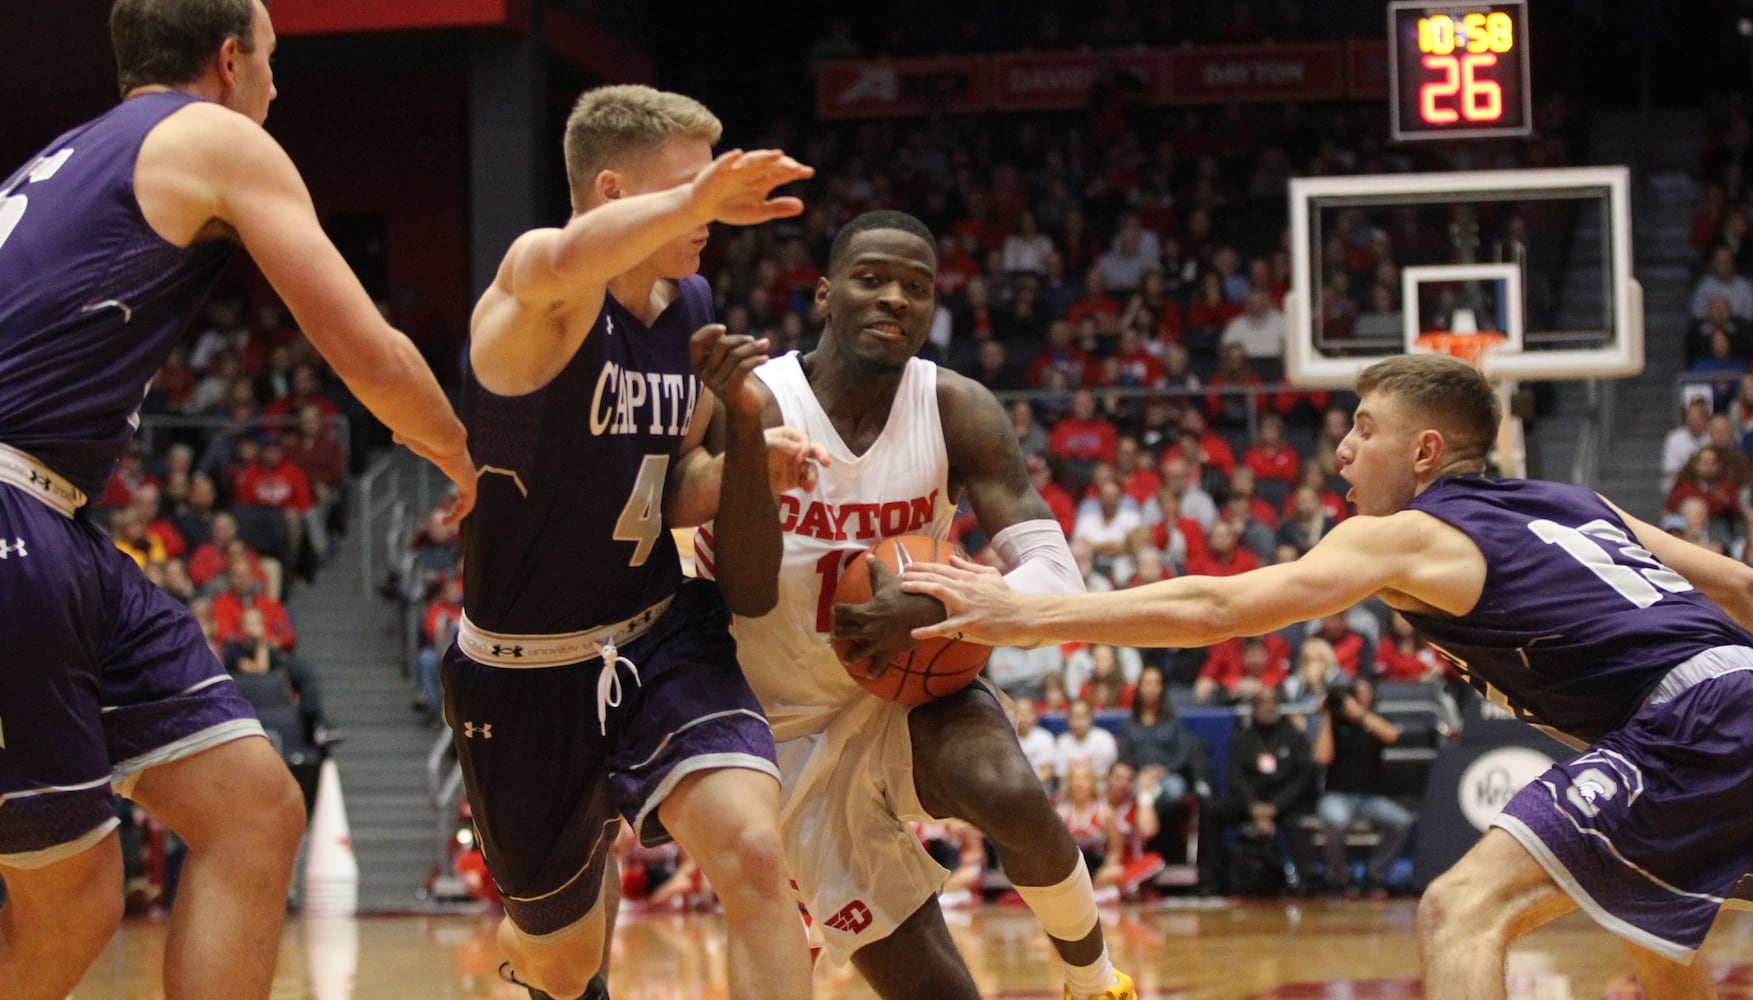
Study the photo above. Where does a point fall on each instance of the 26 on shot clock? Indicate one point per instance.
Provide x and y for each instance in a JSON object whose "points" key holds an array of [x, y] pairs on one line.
{"points": [[1458, 70]]}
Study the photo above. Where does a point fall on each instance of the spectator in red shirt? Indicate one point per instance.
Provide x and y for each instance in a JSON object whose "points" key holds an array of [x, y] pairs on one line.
{"points": [[208, 562], [1315, 478], [243, 591], [1349, 646], [1242, 484], [1062, 354], [1133, 366], [317, 452], [1177, 536], [307, 390], [1106, 686], [1224, 554], [147, 506], [1404, 655], [1133, 467], [1084, 437], [175, 382], [1276, 464], [1095, 301], [272, 480], [954, 268], [1211, 450], [798, 275], [1237, 669], [1231, 409], [1703, 476], [130, 474]]}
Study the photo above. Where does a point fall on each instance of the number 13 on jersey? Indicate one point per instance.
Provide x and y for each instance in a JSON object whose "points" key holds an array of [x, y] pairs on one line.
{"points": [[1641, 585]]}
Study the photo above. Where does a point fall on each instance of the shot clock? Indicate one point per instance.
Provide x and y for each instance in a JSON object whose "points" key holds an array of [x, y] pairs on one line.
{"points": [[1458, 70]]}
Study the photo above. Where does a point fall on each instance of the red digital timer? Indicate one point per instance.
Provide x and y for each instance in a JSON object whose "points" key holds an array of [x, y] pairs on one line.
{"points": [[1458, 70]]}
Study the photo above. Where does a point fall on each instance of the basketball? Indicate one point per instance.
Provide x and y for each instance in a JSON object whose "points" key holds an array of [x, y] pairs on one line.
{"points": [[935, 667]]}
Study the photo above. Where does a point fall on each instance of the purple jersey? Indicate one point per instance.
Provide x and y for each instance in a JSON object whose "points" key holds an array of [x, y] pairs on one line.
{"points": [[567, 531], [91, 298], [1577, 622]]}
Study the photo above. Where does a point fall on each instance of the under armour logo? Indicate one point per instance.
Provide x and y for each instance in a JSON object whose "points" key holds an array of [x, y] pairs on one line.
{"points": [[852, 918], [609, 325], [8, 549], [499, 650], [470, 731], [38, 479]]}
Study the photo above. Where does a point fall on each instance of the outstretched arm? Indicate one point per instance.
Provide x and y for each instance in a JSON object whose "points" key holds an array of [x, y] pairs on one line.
{"points": [[553, 265], [1409, 553], [527, 324], [205, 171]]}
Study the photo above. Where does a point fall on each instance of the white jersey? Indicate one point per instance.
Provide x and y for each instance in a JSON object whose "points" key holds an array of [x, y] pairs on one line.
{"points": [[900, 486]]}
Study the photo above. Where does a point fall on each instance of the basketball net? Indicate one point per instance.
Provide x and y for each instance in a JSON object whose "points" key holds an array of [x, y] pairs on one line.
{"points": [[1474, 346]]}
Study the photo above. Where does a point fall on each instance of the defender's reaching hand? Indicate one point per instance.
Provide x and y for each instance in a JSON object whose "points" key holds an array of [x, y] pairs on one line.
{"points": [[737, 187], [981, 606]]}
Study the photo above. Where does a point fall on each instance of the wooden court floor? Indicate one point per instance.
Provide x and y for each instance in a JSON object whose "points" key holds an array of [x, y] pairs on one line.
{"points": [[1201, 950]]}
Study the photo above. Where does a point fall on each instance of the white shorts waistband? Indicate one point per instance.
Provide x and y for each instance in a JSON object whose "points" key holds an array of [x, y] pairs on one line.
{"points": [[1700, 667], [500, 650], [38, 480]]}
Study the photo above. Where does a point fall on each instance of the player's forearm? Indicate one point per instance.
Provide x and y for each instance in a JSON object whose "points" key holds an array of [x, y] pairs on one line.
{"points": [[748, 539], [1181, 613], [388, 375], [691, 495], [614, 238]]}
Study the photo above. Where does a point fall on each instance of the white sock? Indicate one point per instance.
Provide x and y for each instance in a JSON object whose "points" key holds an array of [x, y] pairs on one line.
{"points": [[1093, 979], [1067, 912]]}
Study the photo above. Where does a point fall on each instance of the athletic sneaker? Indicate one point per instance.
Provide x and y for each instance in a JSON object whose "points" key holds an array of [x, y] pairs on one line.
{"points": [[597, 990], [1121, 990]]}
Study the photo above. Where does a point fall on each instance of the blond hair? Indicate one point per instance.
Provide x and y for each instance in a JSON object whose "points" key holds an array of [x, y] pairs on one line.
{"points": [[1452, 395], [609, 124]]}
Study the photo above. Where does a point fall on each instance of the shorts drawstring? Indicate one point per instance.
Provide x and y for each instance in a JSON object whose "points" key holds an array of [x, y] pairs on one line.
{"points": [[609, 683]]}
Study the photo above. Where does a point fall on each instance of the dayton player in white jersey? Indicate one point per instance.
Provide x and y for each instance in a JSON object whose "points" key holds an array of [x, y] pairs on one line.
{"points": [[898, 486], [905, 439]]}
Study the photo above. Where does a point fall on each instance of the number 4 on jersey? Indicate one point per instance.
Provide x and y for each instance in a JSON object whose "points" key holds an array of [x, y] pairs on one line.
{"points": [[641, 520]]}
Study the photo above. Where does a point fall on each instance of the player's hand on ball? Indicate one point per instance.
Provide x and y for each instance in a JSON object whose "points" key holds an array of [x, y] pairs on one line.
{"points": [[980, 606], [793, 461], [882, 628]]}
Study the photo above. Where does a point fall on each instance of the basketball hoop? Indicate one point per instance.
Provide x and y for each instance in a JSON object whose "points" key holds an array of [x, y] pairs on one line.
{"points": [[1472, 348]]}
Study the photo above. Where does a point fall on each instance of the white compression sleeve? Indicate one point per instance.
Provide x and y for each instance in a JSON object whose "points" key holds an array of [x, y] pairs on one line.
{"points": [[1040, 558]]}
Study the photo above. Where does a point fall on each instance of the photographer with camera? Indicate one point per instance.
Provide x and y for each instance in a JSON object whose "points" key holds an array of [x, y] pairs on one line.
{"points": [[1349, 746]]}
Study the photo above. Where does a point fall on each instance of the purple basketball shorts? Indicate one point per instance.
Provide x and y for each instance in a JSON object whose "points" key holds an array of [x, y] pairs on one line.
{"points": [[547, 786]]}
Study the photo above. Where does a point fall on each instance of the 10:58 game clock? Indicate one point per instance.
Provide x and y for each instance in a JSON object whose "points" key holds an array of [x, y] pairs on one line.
{"points": [[1458, 70]]}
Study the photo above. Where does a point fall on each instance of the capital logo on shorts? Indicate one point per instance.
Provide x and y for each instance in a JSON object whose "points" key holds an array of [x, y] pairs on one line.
{"points": [[484, 730], [852, 918]]}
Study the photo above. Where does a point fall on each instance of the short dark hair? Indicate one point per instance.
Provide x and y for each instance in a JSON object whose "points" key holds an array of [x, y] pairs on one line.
{"points": [[168, 42], [1450, 393], [882, 218]]}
